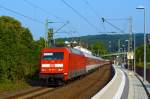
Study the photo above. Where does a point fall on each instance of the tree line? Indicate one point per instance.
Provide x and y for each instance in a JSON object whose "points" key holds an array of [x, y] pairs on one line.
{"points": [[140, 55], [19, 52]]}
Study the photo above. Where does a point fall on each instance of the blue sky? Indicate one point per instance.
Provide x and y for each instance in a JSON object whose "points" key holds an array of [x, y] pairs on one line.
{"points": [[57, 11]]}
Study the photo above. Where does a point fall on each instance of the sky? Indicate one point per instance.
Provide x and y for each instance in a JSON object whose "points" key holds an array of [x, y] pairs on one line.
{"points": [[84, 16]]}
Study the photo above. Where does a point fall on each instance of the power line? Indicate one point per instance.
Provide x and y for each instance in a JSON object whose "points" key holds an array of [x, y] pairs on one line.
{"points": [[79, 14], [93, 10], [42, 9], [104, 20], [117, 19], [91, 7], [20, 14], [45, 11]]}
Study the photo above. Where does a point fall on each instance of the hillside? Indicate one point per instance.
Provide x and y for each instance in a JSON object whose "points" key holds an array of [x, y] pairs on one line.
{"points": [[108, 39]]}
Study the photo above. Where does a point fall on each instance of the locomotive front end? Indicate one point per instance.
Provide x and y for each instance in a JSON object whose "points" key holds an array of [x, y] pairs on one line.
{"points": [[52, 67]]}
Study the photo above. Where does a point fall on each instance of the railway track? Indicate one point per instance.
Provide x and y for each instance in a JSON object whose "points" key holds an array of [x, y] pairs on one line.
{"points": [[83, 88], [73, 88], [31, 94]]}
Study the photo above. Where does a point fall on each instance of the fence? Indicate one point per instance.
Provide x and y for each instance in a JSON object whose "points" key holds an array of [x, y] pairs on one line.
{"points": [[140, 71]]}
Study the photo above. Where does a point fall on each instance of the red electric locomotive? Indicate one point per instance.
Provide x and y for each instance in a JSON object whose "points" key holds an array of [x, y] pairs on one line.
{"points": [[61, 64]]}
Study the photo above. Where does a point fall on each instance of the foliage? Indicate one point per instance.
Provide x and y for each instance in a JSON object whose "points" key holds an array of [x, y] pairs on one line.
{"points": [[106, 38], [60, 43], [140, 55], [98, 48], [41, 43], [8, 86], [18, 51]]}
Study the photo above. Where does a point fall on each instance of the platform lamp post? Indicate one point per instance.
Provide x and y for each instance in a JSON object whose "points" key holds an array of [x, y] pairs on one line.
{"points": [[143, 8]]}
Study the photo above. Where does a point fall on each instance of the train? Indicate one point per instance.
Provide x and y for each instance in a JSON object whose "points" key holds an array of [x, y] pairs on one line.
{"points": [[60, 64]]}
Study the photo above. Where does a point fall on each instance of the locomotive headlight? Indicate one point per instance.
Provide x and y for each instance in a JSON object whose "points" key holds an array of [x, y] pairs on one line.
{"points": [[45, 65], [59, 65], [43, 70]]}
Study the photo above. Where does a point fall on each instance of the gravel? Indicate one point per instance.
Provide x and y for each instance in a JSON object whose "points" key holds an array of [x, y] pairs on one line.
{"points": [[83, 88]]}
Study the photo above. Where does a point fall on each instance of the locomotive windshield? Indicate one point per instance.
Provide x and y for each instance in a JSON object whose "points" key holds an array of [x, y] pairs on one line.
{"points": [[53, 56]]}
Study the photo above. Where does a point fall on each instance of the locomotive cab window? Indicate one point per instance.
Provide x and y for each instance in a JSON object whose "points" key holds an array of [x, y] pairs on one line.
{"points": [[53, 56]]}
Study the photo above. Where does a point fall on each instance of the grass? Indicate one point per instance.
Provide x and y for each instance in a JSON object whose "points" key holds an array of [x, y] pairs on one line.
{"points": [[13, 86], [7, 85]]}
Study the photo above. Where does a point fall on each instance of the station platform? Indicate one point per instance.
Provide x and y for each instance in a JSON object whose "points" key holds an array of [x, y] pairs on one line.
{"points": [[137, 88], [124, 85]]}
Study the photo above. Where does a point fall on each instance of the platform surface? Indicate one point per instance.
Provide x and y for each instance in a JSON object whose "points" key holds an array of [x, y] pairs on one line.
{"points": [[136, 89], [115, 88], [124, 85]]}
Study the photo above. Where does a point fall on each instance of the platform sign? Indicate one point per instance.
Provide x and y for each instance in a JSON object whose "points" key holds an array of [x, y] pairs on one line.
{"points": [[130, 55]]}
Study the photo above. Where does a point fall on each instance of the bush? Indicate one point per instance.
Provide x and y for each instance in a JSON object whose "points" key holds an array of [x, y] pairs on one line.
{"points": [[18, 51]]}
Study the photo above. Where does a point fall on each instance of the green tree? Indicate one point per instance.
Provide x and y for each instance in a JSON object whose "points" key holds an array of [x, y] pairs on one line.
{"points": [[98, 48], [18, 51], [140, 54], [41, 43], [60, 43]]}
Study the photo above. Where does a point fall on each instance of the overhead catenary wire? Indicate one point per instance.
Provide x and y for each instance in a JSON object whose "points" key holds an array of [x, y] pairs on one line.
{"points": [[61, 27], [118, 19], [117, 28], [92, 8], [46, 12], [20, 14], [43, 10], [76, 32], [79, 14]]}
